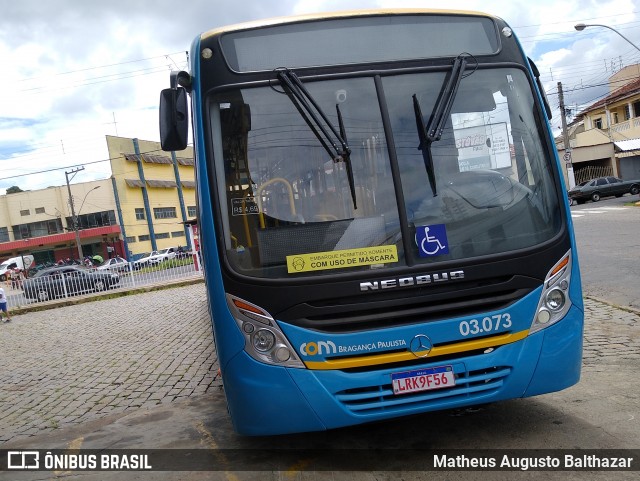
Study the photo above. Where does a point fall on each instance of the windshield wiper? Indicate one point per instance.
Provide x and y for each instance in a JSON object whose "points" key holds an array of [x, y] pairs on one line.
{"points": [[334, 142], [442, 110]]}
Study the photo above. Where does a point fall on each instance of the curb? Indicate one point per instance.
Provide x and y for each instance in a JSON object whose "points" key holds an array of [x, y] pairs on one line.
{"points": [[632, 310], [43, 306]]}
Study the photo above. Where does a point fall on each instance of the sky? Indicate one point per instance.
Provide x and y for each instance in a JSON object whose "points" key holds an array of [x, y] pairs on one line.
{"points": [[79, 70]]}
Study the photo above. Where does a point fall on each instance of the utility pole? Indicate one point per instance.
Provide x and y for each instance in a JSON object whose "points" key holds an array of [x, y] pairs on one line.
{"points": [[565, 138], [74, 218]]}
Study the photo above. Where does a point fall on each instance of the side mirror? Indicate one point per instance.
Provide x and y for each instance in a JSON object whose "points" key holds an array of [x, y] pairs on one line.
{"points": [[174, 119]]}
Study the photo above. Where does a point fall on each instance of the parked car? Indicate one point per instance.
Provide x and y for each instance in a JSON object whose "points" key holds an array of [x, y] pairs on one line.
{"points": [[143, 260], [595, 189], [117, 264], [62, 281], [163, 255]]}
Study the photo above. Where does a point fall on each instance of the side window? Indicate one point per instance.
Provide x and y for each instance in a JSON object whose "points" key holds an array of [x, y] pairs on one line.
{"points": [[602, 181], [613, 180]]}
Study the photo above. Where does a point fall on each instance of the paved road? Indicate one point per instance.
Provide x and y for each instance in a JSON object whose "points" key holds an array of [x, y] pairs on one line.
{"points": [[608, 238]]}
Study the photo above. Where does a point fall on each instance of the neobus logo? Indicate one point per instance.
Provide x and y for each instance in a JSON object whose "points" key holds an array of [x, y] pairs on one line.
{"points": [[412, 281], [318, 348]]}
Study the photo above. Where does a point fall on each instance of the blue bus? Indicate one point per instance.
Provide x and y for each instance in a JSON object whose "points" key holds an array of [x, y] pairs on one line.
{"points": [[382, 214]]}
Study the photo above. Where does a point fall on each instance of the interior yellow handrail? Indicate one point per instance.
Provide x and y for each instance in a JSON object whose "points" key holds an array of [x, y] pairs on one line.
{"points": [[292, 206]]}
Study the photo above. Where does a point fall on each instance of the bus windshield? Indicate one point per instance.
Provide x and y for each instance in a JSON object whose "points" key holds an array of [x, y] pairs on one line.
{"points": [[286, 204]]}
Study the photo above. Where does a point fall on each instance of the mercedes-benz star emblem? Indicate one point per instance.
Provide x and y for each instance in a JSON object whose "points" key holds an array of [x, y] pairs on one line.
{"points": [[420, 345]]}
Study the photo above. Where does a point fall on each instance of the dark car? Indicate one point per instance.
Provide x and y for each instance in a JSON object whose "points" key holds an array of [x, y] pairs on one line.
{"points": [[595, 189], [63, 281]]}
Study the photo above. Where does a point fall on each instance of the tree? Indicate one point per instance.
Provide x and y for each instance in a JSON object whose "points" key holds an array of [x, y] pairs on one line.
{"points": [[14, 189]]}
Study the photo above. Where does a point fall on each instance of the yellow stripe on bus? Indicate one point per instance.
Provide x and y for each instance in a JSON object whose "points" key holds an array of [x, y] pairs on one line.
{"points": [[375, 359]]}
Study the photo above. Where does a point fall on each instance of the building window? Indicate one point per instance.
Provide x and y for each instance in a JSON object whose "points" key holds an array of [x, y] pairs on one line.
{"points": [[37, 229], [191, 211], [163, 235], [597, 123], [164, 212], [636, 109], [25, 212], [39, 210], [143, 238], [178, 233], [4, 234], [131, 240], [615, 118], [627, 112], [95, 219], [139, 214]]}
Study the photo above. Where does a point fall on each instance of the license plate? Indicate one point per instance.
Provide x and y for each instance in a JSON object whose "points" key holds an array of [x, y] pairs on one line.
{"points": [[426, 379]]}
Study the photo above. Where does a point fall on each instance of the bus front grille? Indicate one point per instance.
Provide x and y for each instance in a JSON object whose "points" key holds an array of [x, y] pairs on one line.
{"points": [[469, 386], [348, 315]]}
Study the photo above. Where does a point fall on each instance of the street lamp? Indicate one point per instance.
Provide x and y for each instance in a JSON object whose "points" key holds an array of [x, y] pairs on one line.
{"points": [[85, 198], [581, 26]]}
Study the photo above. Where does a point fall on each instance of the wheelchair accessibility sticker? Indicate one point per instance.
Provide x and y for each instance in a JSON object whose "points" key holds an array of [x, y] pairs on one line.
{"points": [[432, 240]]}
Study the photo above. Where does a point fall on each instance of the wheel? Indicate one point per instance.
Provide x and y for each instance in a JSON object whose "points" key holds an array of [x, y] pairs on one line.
{"points": [[43, 296], [595, 197], [3, 278], [634, 190], [99, 286]]}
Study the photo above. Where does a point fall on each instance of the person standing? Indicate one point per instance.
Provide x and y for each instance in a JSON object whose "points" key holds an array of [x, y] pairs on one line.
{"points": [[3, 305], [15, 278]]}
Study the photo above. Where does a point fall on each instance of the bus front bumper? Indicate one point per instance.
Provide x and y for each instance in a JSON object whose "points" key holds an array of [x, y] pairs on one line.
{"points": [[268, 400]]}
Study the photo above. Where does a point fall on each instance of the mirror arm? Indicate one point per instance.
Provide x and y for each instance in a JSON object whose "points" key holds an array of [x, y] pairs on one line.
{"points": [[181, 78]]}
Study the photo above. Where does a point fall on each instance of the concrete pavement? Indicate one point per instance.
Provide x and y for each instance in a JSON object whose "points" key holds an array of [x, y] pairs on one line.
{"points": [[140, 372]]}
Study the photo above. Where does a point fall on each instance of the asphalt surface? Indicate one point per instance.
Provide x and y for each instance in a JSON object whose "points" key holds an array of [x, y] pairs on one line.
{"points": [[140, 372], [608, 238]]}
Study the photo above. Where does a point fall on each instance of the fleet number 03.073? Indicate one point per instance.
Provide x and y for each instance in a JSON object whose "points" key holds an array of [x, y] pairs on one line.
{"points": [[488, 324]]}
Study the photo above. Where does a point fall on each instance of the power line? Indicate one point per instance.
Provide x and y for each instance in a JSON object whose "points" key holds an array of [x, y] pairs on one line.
{"points": [[100, 67], [72, 166]]}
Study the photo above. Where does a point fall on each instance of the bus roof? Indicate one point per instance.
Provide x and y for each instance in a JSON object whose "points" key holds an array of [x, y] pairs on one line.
{"points": [[336, 15]]}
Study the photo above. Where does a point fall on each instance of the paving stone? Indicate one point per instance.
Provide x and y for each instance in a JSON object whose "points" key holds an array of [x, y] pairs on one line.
{"points": [[102, 358]]}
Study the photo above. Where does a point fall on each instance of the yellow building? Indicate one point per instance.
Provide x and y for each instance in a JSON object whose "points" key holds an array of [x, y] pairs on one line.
{"points": [[155, 193], [141, 208], [40, 222]]}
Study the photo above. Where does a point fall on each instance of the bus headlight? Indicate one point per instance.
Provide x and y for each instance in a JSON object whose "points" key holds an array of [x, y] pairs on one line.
{"points": [[554, 301], [264, 341]]}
